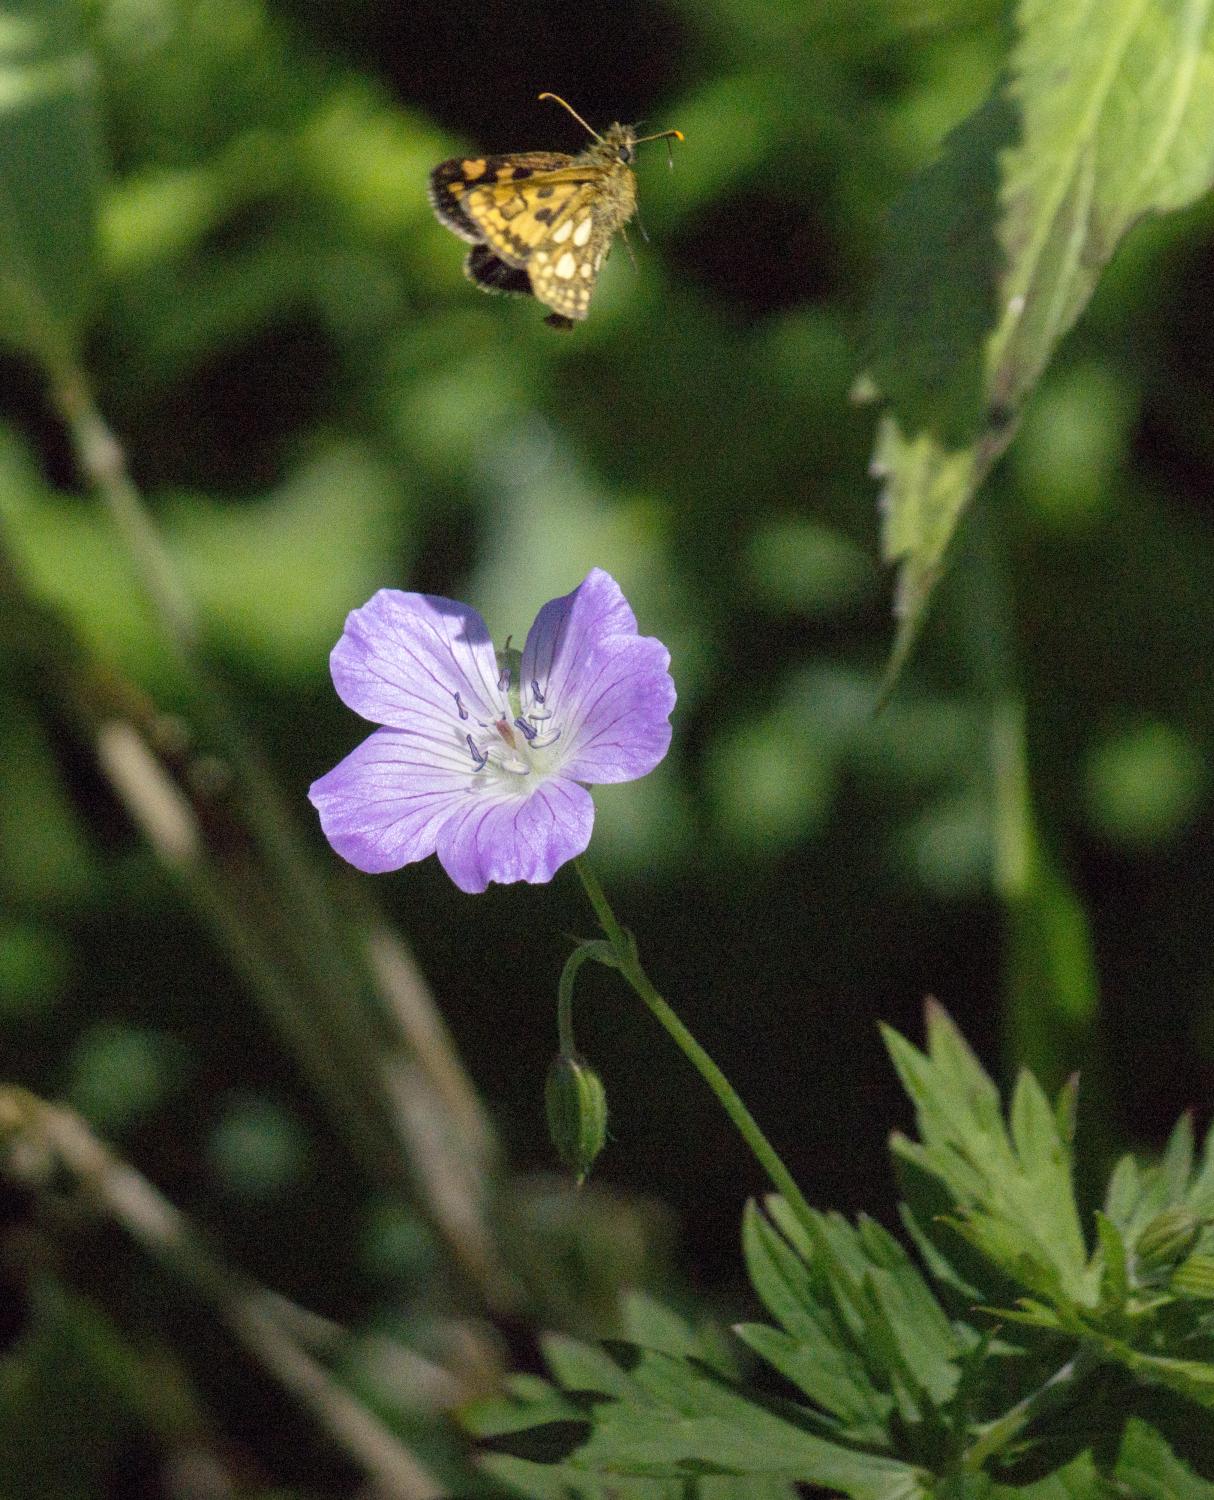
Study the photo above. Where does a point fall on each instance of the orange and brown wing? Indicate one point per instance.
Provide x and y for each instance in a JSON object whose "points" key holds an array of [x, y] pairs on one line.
{"points": [[516, 215], [453, 182]]}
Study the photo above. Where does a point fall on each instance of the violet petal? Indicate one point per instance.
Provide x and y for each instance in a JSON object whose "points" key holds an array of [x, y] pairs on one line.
{"points": [[616, 714], [402, 658], [608, 688], [512, 837], [386, 804]]}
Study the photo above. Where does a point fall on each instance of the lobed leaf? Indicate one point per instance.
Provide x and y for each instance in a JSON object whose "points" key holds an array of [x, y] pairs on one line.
{"points": [[1011, 1193]]}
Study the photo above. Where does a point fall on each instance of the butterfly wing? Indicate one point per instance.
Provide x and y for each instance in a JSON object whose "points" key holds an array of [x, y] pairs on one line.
{"points": [[453, 182], [565, 264], [538, 221], [494, 275], [516, 215]]}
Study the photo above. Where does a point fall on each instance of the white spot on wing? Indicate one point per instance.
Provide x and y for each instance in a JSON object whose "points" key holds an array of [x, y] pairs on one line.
{"points": [[562, 232], [566, 266], [582, 233]]}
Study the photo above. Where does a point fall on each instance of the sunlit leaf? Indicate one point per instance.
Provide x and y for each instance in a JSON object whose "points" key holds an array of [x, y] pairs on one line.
{"points": [[1106, 113]]}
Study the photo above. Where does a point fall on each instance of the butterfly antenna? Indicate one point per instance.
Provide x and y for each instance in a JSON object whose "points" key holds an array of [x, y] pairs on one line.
{"points": [[574, 113], [662, 135]]}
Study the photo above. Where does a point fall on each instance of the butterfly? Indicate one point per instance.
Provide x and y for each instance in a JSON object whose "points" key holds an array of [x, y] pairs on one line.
{"points": [[540, 223]]}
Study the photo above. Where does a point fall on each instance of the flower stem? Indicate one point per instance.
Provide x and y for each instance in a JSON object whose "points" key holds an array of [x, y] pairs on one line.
{"points": [[630, 966]]}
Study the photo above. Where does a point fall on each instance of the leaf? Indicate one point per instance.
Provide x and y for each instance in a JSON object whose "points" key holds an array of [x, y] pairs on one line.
{"points": [[1106, 113], [50, 175], [694, 1423], [818, 1352], [1149, 1469], [1114, 1275], [1192, 1378], [1011, 1193]]}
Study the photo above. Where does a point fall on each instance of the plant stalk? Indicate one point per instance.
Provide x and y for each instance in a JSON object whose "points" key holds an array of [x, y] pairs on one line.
{"points": [[629, 964]]}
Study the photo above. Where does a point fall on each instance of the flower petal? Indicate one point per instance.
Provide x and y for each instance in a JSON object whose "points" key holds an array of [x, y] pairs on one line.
{"points": [[566, 628], [512, 837], [616, 715], [386, 804], [608, 687], [402, 658]]}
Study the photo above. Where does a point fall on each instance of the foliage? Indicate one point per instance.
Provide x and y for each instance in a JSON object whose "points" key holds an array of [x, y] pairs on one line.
{"points": [[215, 243], [998, 246], [1018, 1361]]}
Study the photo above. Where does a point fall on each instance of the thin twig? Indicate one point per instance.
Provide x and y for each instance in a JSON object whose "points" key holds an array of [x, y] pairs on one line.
{"points": [[39, 1134]]}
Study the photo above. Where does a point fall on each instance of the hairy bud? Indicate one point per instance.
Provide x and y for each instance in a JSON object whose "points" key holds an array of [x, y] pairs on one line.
{"points": [[577, 1112], [1168, 1238]]}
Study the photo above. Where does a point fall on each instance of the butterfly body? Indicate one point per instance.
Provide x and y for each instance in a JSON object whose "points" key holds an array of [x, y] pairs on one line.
{"points": [[540, 222]]}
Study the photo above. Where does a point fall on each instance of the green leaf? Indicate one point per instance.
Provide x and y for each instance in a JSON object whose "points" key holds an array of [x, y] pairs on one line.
{"points": [[1106, 113], [1011, 1194], [50, 175], [818, 1352], [1114, 1271], [1149, 1469], [1193, 1378], [694, 1423]]}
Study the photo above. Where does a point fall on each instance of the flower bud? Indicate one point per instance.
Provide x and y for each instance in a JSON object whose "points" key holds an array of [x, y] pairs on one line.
{"points": [[1167, 1239], [577, 1112], [1195, 1278]]}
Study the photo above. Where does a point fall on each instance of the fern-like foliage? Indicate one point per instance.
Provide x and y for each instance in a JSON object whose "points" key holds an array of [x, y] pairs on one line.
{"points": [[1010, 1352]]}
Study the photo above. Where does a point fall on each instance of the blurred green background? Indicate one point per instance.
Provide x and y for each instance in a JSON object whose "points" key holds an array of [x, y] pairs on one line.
{"points": [[316, 404]]}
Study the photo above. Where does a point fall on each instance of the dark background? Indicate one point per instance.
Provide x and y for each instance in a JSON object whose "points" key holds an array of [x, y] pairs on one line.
{"points": [[317, 404]]}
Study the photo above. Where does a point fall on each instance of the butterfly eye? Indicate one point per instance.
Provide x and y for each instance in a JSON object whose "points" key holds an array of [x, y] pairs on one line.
{"points": [[625, 153]]}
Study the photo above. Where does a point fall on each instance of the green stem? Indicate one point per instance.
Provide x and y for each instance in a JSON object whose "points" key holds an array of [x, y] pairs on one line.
{"points": [[630, 966]]}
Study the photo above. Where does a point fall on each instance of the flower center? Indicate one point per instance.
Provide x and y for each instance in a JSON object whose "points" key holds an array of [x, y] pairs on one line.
{"points": [[515, 741]]}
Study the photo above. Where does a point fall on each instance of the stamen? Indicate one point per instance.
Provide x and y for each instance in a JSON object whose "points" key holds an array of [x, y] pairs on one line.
{"points": [[503, 682], [481, 757], [528, 732], [463, 712], [535, 691]]}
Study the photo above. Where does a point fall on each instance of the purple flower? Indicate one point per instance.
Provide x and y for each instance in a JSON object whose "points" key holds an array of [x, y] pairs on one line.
{"points": [[483, 755]]}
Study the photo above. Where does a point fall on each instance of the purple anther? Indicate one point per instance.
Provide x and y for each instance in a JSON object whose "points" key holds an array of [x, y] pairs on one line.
{"points": [[481, 757], [463, 712], [529, 732]]}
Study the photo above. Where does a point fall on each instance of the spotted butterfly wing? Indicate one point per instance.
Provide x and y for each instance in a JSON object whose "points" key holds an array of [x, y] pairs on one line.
{"points": [[452, 182], [540, 222]]}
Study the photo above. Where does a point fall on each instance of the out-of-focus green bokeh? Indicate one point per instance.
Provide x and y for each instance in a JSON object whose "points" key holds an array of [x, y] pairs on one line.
{"points": [[316, 404]]}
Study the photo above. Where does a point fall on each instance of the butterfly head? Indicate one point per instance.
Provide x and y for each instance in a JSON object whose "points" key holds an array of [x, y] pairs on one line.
{"points": [[619, 143]]}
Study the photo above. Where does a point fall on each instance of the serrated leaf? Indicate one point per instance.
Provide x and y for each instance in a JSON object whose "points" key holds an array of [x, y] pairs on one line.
{"points": [[1011, 1193], [926, 1340], [821, 1374], [584, 1367], [1201, 1190], [816, 1352], [1190, 1377], [1176, 1165], [50, 177], [697, 1424], [1106, 113]]}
